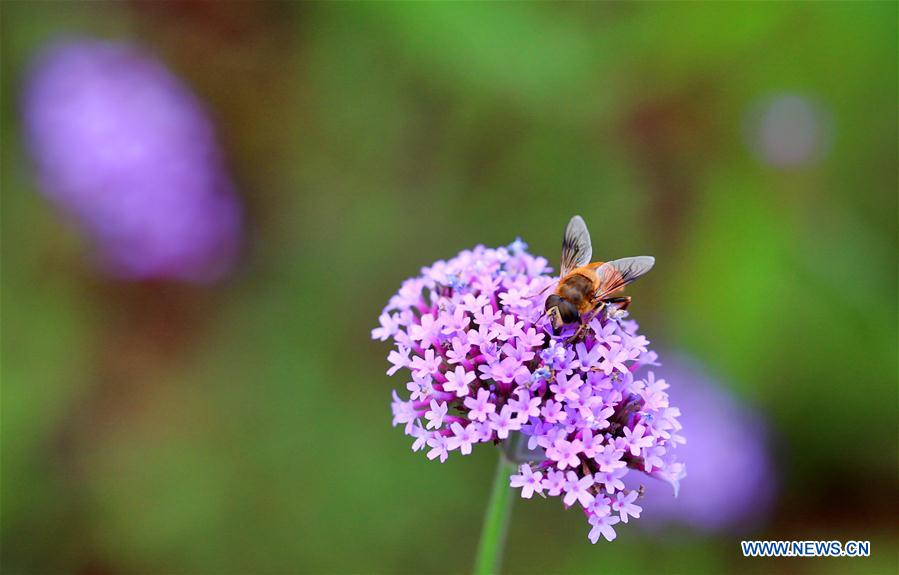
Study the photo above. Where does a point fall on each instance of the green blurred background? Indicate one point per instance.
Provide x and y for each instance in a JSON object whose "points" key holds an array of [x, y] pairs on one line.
{"points": [[244, 427]]}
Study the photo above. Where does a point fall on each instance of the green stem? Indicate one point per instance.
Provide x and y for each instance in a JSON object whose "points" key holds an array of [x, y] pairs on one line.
{"points": [[496, 521]]}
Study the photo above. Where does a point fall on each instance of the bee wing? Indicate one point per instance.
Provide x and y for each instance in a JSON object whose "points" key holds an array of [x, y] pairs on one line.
{"points": [[616, 274], [576, 247]]}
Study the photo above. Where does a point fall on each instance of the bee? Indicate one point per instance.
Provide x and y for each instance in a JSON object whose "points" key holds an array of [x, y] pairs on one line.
{"points": [[586, 289]]}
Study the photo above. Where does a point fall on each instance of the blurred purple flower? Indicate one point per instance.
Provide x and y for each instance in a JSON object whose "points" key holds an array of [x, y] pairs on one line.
{"points": [[788, 130], [486, 367], [732, 478], [124, 147]]}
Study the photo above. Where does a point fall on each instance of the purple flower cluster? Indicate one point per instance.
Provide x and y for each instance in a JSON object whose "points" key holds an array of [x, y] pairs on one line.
{"points": [[126, 149], [485, 363]]}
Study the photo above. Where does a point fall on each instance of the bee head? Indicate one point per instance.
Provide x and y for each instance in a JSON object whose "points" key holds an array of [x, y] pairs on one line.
{"points": [[560, 311]]}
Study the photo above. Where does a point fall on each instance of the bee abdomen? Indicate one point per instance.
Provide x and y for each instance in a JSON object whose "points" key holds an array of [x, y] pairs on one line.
{"points": [[576, 289]]}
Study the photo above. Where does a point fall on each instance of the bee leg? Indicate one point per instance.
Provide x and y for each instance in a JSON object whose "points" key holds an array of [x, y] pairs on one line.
{"points": [[621, 302], [585, 321], [578, 334]]}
